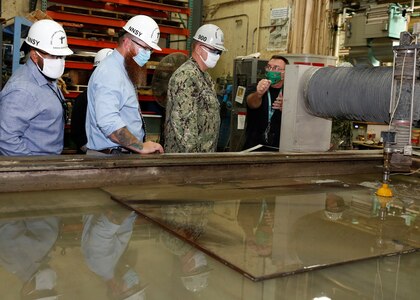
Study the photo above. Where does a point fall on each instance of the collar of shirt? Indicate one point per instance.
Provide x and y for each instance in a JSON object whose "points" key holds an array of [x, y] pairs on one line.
{"points": [[196, 64], [118, 57], [206, 75]]}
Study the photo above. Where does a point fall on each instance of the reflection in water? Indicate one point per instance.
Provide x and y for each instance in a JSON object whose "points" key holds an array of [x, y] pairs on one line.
{"points": [[24, 248], [111, 252], [331, 236], [271, 232], [188, 220], [104, 245], [334, 206], [257, 223], [379, 279]]}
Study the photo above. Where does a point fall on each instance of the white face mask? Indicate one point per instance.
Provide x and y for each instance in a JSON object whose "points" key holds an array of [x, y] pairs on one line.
{"points": [[45, 279], [211, 60], [200, 260], [53, 67]]}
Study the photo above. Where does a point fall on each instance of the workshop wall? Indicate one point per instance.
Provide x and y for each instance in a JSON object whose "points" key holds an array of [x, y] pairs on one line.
{"points": [[265, 26], [269, 27], [13, 8]]}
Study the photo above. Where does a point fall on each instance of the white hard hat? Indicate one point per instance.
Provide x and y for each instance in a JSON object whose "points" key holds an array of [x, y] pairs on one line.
{"points": [[48, 36], [211, 35], [100, 55], [144, 28]]}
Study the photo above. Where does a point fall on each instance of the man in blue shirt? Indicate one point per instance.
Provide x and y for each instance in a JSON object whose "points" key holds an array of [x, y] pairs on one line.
{"points": [[114, 124], [32, 107]]}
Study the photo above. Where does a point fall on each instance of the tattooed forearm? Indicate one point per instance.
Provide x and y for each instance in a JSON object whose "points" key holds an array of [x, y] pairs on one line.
{"points": [[126, 139]]}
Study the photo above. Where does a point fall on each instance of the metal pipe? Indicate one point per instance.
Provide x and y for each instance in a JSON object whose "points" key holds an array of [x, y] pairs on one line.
{"points": [[190, 25], [391, 99], [255, 30], [413, 89], [337, 36], [257, 44], [358, 94], [387, 162], [341, 21]]}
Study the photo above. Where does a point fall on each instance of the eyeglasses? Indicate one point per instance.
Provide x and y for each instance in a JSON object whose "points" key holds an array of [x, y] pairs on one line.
{"points": [[44, 54], [214, 51], [273, 68], [142, 46]]}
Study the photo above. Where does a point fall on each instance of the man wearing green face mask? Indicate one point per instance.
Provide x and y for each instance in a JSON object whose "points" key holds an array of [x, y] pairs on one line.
{"points": [[265, 102]]}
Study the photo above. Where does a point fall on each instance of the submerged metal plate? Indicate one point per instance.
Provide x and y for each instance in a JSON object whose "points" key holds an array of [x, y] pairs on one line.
{"points": [[268, 229], [85, 246]]}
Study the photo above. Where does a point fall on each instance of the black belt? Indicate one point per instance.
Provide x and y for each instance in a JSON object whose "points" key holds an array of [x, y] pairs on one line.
{"points": [[115, 151]]}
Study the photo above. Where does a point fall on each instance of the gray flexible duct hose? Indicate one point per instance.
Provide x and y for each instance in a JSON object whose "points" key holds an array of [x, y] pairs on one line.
{"points": [[350, 93]]}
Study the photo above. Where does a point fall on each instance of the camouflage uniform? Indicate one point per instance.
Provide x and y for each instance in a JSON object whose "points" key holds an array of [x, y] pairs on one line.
{"points": [[192, 111]]}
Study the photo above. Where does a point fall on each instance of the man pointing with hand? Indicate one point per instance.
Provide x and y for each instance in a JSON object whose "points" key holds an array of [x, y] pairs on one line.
{"points": [[265, 103]]}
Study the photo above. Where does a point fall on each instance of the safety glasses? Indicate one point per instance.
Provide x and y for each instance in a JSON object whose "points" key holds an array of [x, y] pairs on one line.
{"points": [[142, 46], [273, 68], [214, 51]]}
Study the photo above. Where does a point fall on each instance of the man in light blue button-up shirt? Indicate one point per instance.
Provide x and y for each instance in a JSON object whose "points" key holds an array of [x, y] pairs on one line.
{"points": [[113, 120], [32, 107]]}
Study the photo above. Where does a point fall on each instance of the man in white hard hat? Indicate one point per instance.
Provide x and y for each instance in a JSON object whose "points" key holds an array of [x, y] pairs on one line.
{"points": [[114, 124], [32, 107], [78, 113], [192, 111]]}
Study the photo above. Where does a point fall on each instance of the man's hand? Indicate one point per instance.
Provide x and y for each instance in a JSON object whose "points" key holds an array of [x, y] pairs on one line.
{"points": [[262, 87], [278, 103], [127, 140], [151, 147], [254, 100]]}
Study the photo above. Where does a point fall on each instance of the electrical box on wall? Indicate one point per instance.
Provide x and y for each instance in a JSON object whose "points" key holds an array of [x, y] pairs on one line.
{"points": [[371, 32], [378, 21]]}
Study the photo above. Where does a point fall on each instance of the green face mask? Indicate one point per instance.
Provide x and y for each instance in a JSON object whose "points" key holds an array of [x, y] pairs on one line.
{"points": [[274, 77]]}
